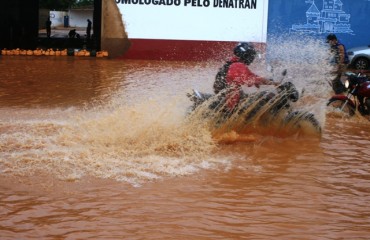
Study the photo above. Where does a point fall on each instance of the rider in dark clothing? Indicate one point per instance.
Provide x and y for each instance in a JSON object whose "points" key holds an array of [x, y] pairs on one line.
{"points": [[48, 27], [340, 59], [88, 29]]}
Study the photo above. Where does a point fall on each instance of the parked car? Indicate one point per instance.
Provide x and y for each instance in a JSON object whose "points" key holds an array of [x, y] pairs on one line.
{"points": [[359, 57]]}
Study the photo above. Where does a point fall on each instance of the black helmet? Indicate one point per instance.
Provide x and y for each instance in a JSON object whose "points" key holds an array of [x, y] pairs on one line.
{"points": [[331, 36], [246, 52]]}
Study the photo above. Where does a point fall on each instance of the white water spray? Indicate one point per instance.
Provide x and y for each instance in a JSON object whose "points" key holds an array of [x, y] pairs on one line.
{"points": [[142, 133]]}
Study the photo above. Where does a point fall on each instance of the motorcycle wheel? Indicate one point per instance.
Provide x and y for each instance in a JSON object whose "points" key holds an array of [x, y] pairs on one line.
{"points": [[258, 102], [338, 104], [303, 121], [361, 63]]}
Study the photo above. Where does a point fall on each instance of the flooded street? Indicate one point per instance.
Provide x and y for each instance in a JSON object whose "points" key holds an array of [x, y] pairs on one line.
{"points": [[102, 149]]}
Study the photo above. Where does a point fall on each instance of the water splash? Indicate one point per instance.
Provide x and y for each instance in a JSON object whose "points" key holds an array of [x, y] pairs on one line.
{"points": [[142, 133], [306, 60], [135, 144]]}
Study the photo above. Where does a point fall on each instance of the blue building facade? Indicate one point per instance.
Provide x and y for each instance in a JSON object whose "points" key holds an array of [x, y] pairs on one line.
{"points": [[348, 19]]}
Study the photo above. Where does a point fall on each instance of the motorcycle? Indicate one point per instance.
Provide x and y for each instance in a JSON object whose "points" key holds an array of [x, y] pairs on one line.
{"points": [[357, 98], [271, 108]]}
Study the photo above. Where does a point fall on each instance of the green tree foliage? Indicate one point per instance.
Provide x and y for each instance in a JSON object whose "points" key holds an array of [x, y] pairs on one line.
{"points": [[84, 3], [56, 4], [63, 4]]}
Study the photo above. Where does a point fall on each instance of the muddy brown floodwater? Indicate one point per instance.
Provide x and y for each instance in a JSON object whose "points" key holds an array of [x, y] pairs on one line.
{"points": [[100, 149]]}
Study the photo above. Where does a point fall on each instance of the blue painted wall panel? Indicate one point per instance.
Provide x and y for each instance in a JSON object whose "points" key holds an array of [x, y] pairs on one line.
{"points": [[348, 19]]}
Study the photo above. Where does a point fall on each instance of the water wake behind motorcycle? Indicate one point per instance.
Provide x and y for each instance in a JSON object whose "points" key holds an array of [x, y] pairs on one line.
{"points": [[267, 112]]}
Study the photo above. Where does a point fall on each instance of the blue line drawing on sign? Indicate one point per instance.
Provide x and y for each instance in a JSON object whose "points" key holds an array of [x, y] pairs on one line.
{"points": [[331, 19]]}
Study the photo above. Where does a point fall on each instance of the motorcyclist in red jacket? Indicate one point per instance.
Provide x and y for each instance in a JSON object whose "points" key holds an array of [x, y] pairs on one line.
{"points": [[236, 73]]}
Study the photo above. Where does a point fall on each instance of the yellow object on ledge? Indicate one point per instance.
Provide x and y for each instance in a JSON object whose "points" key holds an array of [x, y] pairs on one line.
{"points": [[52, 52]]}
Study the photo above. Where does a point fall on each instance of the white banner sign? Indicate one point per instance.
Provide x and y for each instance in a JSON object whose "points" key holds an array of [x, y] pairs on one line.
{"points": [[206, 20]]}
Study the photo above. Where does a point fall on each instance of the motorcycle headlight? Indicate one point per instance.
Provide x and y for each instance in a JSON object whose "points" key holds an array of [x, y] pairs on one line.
{"points": [[346, 83]]}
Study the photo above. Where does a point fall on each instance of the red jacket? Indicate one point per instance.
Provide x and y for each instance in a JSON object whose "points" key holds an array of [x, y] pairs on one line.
{"points": [[239, 74]]}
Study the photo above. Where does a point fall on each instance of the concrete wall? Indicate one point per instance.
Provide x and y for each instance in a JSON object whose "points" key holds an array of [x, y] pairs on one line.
{"points": [[43, 16], [113, 34], [57, 18], [78, 18]]}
